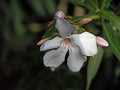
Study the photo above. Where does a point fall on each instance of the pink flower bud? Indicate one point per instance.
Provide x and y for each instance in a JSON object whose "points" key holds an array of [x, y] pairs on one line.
{"points": [[69, 17], [101, 42], [42, 41], [85, 21], [59, 14], [49, 24]]}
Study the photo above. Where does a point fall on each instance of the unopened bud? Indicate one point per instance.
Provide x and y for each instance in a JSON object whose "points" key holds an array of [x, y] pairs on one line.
{"points": [[101, 42], [42, 41], [49, 24], [59, 14], [69, 17], [85, 21]]}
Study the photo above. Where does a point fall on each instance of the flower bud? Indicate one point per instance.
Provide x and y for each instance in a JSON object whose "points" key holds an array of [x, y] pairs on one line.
{"points": [[49, 24], [101, 42], [69, 17], [85, 21], [42, 41], [59, 14]]}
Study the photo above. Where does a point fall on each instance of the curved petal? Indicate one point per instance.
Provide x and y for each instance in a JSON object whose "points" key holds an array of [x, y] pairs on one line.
{"points": [[75, 59], [54, 58], [50, 44], [64, 27], [86, 42]]}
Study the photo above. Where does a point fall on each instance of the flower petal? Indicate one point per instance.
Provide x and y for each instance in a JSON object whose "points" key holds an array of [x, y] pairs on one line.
{"points": [[75, 59], [86, 42], [50, 44], [64, 27], [54, 58]]}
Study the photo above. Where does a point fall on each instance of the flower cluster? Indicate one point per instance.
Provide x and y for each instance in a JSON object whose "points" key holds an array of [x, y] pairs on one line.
{"points": [[79, 46]]}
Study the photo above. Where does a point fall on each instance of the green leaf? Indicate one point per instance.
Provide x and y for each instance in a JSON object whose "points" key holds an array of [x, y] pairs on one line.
{"points": [[92, 28], [93, 66], [112, 41], [112, 17], [50, 5], [37, 5], [17, 16], [92, 16], [105, 4], [49, 31], [76, 2], [91, 5]]}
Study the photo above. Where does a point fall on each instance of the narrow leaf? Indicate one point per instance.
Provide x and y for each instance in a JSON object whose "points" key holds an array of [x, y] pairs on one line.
{"points": [[112, 17], [105, 4], [50, 5], [37, 5], [93, 66], [92, 16], [49, 31], [93, 5], [112, 41], [17, 15]]}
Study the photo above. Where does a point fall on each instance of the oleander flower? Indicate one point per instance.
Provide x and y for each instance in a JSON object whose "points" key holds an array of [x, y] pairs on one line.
{"points": [[78, 45]]}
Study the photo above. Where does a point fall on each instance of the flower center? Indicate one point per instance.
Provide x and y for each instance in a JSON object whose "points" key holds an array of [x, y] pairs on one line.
{"points": [[66, 41]]}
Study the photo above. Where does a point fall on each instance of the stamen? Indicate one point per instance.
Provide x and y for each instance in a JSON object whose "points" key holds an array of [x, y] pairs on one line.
{"points": [[66, 41]]}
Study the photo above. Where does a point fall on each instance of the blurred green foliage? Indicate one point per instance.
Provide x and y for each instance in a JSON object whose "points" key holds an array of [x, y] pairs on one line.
{"points": [[24, 22]]}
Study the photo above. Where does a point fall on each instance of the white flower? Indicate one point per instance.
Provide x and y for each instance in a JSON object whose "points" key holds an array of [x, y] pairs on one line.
{"points": [[78, 45]]}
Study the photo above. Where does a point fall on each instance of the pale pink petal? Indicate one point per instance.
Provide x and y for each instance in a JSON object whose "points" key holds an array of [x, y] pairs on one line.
{"points": [[51, 44], [86, 42], [54, 58], [75, 59], [64, 27]]}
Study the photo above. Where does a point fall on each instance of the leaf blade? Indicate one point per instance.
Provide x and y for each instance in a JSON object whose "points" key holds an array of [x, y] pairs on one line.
{"points": [[113, 43], [112, 17], [93, 66], [105, 3]]}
